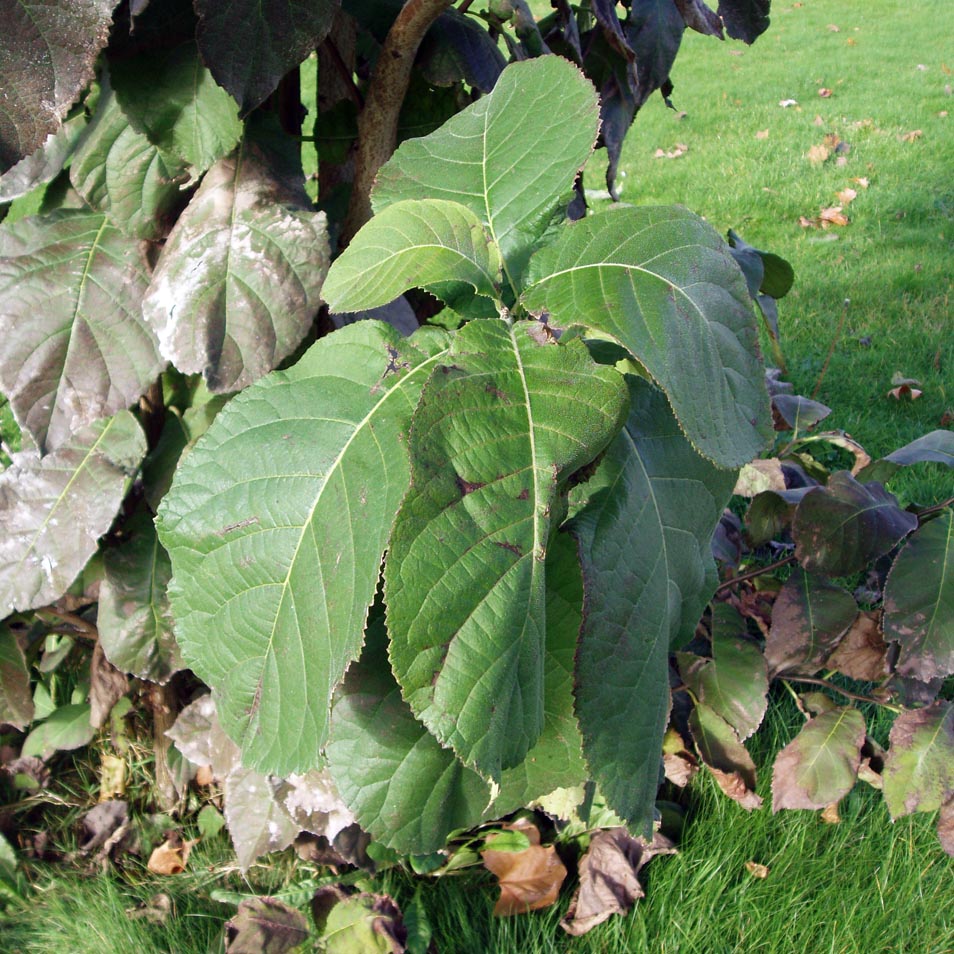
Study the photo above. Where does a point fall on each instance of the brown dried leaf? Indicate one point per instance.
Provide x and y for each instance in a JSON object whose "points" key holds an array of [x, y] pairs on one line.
{"points": [[862, 652], [862, 182], [762, 134], [734, 786], [529, 879], [818, 154], [833, 216], [830, 814], [171, 856], [912, 136], [107, 686], [265, 926], [609, 877], [846, 196], [905, 392], [757, 870], [945, 827], [825, 92]]}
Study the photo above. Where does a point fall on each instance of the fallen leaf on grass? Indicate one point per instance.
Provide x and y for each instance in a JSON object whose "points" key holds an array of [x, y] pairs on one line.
{"points": [[679, 150], [265, 926], [825, 92], [171, 856], [528, 879], [785, 103], [102, 824], [762, 134], [350, 922], [833, 28], [904, 388], [846, 196], [861, 182], [911, 136], [609, 877], [833, 216], [156, 910], [757, 870], [830, 814], [818, 154], [112, 777]]}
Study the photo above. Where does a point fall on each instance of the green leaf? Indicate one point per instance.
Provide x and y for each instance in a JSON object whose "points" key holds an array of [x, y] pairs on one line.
{"points": [[276, 523], [839, 529], [556, 760], [809, 617], [249, 45], [734, 682], [43, 165], [509, 157], [16, 701], [404, 787], [236, 288], [413, 244], [465, 577], [719, 746], [919, 601], [644, 530], [819, 766], [47, 55], [67, 728], [173, 99], [663, 284], [919, 766], [53, 509], [75, 346], [936, 447], [135, 619], [118, 171]]}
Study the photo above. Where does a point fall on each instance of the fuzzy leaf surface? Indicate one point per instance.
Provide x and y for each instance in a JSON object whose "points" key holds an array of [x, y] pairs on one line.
{"points": [[75, 346], [47, 55], [276, 524], [135, 620], [173, 99], [663, 284], [249, 45], [118, 171], [54, 509], [819, 766], [644, 529], [919, 766], [919, 601], [840, 528], [510, 157], [16, 700], [405, 788], [501, 428], [413, 244], [237, 285]]}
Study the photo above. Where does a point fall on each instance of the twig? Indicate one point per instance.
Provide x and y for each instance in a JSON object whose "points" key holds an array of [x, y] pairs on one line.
{"points": [[934, 508], [844, 692], [752, 574], [77, 622], [831, 350]]}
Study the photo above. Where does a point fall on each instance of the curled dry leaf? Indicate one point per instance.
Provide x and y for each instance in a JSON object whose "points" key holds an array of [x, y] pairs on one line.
{"points": [[265, 926], [171, 856], [912, 136], [904, 392], [529, 879], [757, 870], [833, 216], [825, 92], [818, 154], [862, 652], [846, 196]]}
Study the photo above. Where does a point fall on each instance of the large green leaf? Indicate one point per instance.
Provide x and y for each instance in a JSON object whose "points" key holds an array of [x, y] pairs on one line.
{"points": [[16, 702], [75, 346], [819, 766], [237, 285], [404, 787], [276, 523], [117, 170], [919, 766], [644, 529], [509, 157], [68, 728], [935, 447], [413, 244], [134, 618], [919, 601], [47, 55], [500, 430], [53, 509], [173, 99], [662, 283], [249, 45]]}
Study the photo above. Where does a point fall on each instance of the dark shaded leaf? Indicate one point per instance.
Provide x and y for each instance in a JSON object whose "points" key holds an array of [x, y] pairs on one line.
{"points": [[47, 55], [770, 513], [820, 765], [107, 686], [862, 652], [937, 446], [809, 617], [719, 747], [54, 509], [765, 272], [700, 18], [919, 600], [609, 877], [945, 826], [75, 345], [605, 13], [135, 620], [237, 285], [797, 412], [67, 728], [101, 823], [16, 700], [265, 926], [745, 20], [44, 164], [919, 766], [528, 880], [249, 45], [662, 283], [172, 98], [653, 30], [841, 528], [456, 48]]}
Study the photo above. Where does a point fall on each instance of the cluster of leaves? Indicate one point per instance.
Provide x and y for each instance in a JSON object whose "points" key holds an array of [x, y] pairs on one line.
{"points": [[863, 622]]}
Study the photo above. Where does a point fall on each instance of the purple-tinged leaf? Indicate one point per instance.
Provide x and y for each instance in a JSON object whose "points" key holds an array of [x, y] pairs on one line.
{"points": [[653, 30], [819, 766], [47, 54], [798, 413], [919, 766], [75, 346], [458, 47], [809, 617], [265, 926], [700, 17], [862, 652], [936, 447], [841, 528], [16, 700], [919, 601], [770, 513], [107, 686], [745, 20]]}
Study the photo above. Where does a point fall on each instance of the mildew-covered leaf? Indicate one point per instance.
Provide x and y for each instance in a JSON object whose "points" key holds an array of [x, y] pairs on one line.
{"points": [[75, 346], [662, 283], [237, 285], [276, 524], [54, 509], [465, 573], [919, 766], [47, 55]]}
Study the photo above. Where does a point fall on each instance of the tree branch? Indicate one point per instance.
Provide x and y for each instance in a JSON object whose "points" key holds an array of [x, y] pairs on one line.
{"points": [[378, 122]]}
